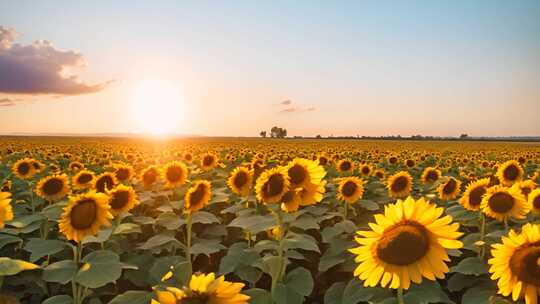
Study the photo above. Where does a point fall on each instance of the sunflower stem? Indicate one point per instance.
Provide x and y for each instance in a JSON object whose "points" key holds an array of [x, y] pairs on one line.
{"points": [[482, 250], [188, 240], [400, 298], [280, 250], [77, 252], [345, 210]]}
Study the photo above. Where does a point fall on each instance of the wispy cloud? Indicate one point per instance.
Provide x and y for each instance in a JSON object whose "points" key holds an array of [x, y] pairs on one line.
{"points": [[290, 108], [286, 102], [8, 102], [39, 68]]}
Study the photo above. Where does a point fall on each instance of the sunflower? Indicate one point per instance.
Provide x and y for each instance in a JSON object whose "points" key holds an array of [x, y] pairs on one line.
{"points": [[534, 200], [312, 194], [6, 212], [123, 172], [241, 180], [272, 185], [366, 170], [526, 187], [105, 181], [84, 215], [23, 168], [149, 176], [449, 189], [472, 197], [430, 175], [323, 160], [407, 243], [122, 199], [38, 166], [502, 202], [379, 173], [188, 157], [209, 161], [303, 171], [75, 166], [84, 179], [410, 163], [6, 186], [53, 188], [290, 202], [204, 288], [400, 184], [175, 174], [515, 264], [198, 195], [344, 166], [509, 173], [350, 189]]}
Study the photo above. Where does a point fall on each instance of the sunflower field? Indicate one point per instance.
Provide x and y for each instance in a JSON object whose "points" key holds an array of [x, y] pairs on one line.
{"points": [[133, 221]]}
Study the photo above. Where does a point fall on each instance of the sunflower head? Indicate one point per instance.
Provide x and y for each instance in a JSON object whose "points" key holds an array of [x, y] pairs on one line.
{"points": [[515, 264], [366, 170], [526, 187], [53, 188], [430, 175], [123, 172], [449, 189], [122, 198], [472, 197], [209, 161], [345, 166], [23, 168], [509, 173], [149, 176], [83, 179], [312, 193], [405, 244], [400, 184], [350, 189], [6, 186], [303, 171], [105, 181], [204, 288], [393, 160], [6, 212], [188, 157], [84, 215], [241, 180], [175, 174], [290, 202], [323, 160], [502, 203], [379, 173], [197, 196], [410, 163], [534, 200], [75, 166], [272, 184]]}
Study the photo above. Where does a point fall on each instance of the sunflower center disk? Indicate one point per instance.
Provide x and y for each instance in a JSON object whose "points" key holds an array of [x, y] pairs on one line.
{"points": [[240, 179], [501, 202], [349, 188], [297, 174], [511, 173], [345, 166], [122, 174], [104, 183], [399, 184], [23, 168], [208, 160], [274, 186], [196, 196], [536, 202], [83, 214], [174, 174], [85, 178], [450, 186], [403, 244], [53, 186], [432, 176], [119, 199], [523, 264], [475, 197]]}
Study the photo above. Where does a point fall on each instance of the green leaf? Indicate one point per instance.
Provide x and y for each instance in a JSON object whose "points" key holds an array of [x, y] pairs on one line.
{"points": [[102, 236], [286, 295], [206, 247], [258, 296], [300, 241], [159, 240], [305, 222], [60, 299], [170, 220], [254, 223], [273, 265], [470, 266], [99, 268], [334, 294], [300, 280], [24, 221], [132, 297], [478, 295], [458, 281], [204, 217], [6, 239], [369, 205], [425, 293], [40, 248], [355, 292], [237, 255], [60, 272], [54, 212], [127, 228], [10, 266], [161, 266]]}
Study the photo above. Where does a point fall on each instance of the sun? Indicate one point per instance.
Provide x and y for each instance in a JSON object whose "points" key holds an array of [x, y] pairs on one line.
{"points": [[157, 107]]}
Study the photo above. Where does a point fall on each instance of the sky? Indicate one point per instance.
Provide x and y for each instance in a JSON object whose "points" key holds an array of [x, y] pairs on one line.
{"points": [[234, 68]]}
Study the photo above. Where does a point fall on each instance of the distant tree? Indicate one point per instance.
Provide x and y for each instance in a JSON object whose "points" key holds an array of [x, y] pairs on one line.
{"points": [[277, 132], [464, 136], [263, 134], [318, 136]]}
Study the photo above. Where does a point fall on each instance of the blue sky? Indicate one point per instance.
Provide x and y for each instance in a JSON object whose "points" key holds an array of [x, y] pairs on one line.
{"points": [[360, 67]]}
